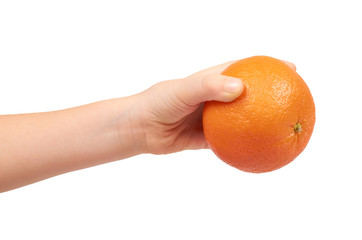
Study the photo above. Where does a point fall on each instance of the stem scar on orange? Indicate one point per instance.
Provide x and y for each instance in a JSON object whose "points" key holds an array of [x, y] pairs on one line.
{"points": [[269, 124]]}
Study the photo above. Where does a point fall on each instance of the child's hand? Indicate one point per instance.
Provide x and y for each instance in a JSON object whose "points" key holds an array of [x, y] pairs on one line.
{"points": [[171, 111]]}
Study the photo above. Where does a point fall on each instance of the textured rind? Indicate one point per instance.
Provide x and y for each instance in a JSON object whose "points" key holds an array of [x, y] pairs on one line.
{"points": [[255, 132]]}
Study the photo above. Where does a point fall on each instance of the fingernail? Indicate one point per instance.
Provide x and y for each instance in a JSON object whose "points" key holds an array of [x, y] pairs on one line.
{"points": [[232, 85]]}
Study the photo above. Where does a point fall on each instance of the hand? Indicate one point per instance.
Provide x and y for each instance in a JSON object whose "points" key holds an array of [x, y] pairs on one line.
{"points": [[171, 113]]}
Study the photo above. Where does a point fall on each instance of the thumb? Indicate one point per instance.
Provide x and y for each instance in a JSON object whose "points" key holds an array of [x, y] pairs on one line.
{"points": [[197, 89]]}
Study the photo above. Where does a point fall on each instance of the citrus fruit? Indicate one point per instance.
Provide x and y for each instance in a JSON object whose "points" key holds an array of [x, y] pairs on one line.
{"points": [[269, 124]]}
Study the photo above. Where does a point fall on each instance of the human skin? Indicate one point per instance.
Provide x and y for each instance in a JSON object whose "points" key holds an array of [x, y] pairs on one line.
{"points": [[163, 119]]}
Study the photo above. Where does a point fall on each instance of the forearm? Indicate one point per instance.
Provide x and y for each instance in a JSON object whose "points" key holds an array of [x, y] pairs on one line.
{"points": [[37, 146]]}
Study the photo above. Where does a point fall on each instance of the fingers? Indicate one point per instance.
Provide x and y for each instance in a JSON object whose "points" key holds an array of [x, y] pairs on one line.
{"points": [[210, 84], [201, 88], [220, 88], [291, 65]]}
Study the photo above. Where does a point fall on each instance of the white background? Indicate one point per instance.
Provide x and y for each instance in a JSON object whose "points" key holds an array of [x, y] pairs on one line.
{"points": [[60, 54]]}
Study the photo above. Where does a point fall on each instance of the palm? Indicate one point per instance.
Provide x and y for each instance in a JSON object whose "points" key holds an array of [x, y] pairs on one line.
{"points": [[174, 125]]}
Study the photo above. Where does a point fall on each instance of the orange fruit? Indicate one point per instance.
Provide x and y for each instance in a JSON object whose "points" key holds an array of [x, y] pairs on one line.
{"points": [[269, 124]]}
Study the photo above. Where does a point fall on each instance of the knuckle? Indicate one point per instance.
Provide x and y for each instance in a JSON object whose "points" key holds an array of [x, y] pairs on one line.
{"points": [[208, 83]]}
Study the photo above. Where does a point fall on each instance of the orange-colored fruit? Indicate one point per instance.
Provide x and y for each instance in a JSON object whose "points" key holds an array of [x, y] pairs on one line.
{"points": [[266, 127]]}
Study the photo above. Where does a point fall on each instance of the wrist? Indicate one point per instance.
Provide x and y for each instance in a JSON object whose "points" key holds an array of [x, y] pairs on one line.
{"points": [[130, 126]]}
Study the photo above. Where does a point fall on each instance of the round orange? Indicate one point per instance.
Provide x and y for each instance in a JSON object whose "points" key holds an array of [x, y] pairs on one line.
{"points": [[269, 124]]}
